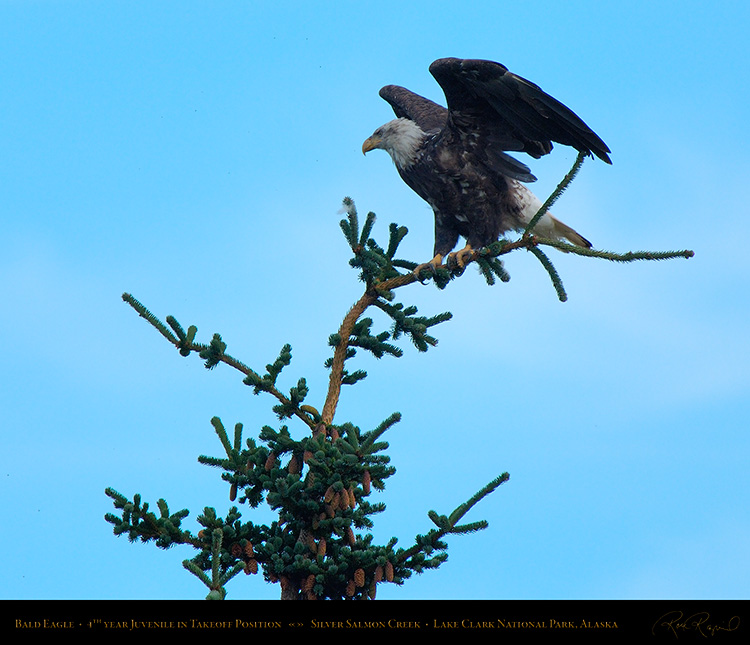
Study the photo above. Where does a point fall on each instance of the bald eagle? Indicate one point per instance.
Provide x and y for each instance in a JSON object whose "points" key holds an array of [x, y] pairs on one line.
{"points": [[455, 159]]}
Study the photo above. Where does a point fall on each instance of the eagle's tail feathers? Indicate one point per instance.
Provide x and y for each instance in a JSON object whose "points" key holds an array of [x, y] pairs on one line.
{"points": [[564, 231]]}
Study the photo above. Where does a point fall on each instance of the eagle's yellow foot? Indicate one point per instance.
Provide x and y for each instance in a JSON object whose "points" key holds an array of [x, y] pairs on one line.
{"points": [[432, 265], [459, 256]]}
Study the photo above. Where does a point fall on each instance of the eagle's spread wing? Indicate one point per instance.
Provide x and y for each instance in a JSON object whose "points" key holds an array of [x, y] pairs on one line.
{"points": [[427, 115], [509, 112]]}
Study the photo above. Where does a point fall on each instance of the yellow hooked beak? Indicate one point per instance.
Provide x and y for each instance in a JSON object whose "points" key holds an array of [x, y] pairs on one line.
{"points": [[370, 144]]}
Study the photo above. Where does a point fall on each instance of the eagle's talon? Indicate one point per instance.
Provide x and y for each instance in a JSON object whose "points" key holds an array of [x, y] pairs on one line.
{"points": [[458, 256], [432, 265]]}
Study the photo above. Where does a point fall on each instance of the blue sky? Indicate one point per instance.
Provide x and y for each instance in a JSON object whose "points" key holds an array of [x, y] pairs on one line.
{"points": [[196, 154]]}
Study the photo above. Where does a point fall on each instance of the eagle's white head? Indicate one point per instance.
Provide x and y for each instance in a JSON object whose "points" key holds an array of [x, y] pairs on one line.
{"points": [[400, 138]]}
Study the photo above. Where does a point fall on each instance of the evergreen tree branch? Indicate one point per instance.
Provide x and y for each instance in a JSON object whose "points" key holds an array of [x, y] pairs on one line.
{"points": [[464, 508], [141, 524], [447, 525], [143, 312], [629, 256], [339, 355], [214, 353], [557, 193], [219, 575], [554, 276]]}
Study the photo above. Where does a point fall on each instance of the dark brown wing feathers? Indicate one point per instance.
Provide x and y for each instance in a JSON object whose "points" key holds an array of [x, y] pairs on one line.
{"points": [[426, 114], [514, 113]]}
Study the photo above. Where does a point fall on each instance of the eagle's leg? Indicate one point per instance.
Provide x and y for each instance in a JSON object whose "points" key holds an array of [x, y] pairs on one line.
{"points": [[459, 256], [432, 265]]}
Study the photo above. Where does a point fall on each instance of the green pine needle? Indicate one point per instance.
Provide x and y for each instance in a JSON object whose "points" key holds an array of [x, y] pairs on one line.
{"points": [[554, 276]]}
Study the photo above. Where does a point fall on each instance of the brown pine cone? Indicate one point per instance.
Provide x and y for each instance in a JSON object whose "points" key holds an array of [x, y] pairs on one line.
{"points": [[366, 480]]}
